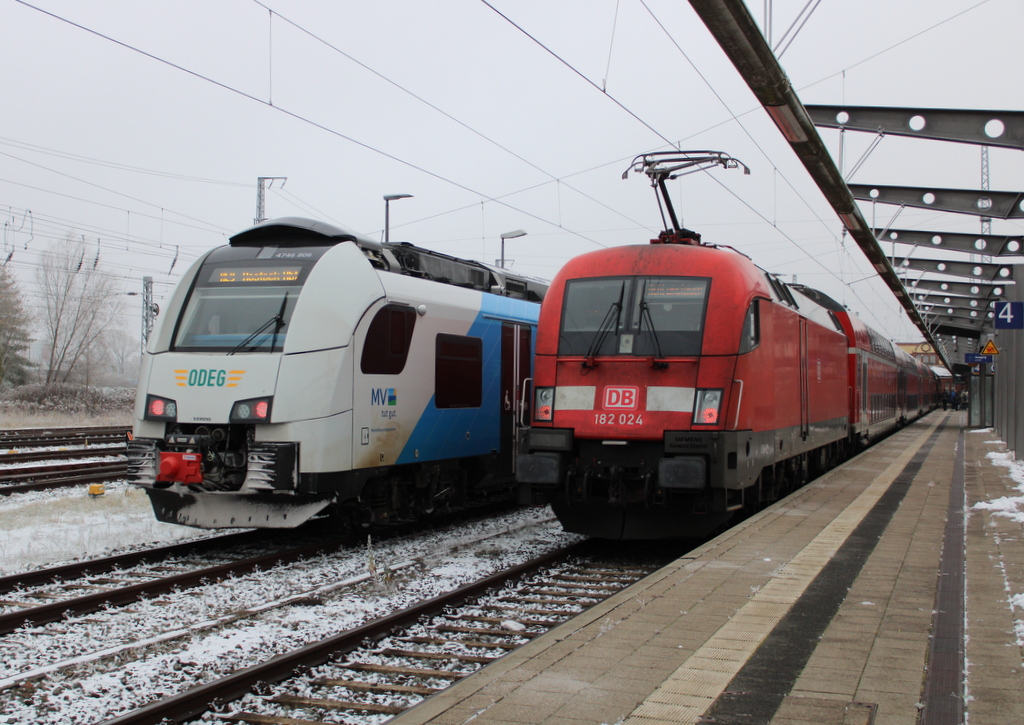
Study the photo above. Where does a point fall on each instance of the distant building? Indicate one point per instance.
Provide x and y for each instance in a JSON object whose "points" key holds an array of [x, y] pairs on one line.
{"points": [[924, 352]]}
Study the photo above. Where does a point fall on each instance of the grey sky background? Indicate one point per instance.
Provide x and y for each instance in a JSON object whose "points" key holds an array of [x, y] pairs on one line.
{"points": [[142, 127]]}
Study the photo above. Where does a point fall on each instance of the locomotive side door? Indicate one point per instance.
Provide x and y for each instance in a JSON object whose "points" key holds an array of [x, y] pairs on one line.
{"points": [[515, 369], [805, 423]]}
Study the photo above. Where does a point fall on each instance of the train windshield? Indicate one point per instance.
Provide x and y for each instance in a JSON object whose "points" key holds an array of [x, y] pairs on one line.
{"points": [[639, 316], [242, 305]]}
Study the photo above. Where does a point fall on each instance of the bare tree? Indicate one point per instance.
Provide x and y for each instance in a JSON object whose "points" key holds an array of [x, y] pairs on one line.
{"points": [[14, 336], [81, 302], [121, 355]]}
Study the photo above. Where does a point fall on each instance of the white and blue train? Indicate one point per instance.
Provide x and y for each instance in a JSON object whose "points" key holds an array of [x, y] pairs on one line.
{"points": [[303, 371]]}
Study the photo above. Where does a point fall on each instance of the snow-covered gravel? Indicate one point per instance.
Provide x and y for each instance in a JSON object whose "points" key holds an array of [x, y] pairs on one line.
{"points": [[50, 527], [91, 668]]}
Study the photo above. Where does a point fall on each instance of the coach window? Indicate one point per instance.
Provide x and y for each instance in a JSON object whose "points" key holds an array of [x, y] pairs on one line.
{"points": [[751, 335], [387, 341], [458, 372]]}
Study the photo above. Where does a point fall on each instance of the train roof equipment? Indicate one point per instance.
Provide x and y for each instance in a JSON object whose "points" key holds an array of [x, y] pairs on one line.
{"points": [[396, 257], [664, 166]]}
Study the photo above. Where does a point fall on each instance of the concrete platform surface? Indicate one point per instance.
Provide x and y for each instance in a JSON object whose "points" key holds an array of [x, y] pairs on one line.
{"points": [[836, 606]]}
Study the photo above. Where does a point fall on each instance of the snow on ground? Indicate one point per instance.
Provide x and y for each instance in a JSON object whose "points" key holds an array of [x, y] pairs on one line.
{"points": [[44, 528], [87, 669], [1011, 507]]}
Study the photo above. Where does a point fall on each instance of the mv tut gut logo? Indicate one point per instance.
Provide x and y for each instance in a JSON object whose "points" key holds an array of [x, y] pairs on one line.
{"points": [[385, 398]]}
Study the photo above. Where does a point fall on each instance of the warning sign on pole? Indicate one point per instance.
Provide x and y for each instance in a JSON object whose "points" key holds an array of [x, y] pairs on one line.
{"points": [[990, 348]]}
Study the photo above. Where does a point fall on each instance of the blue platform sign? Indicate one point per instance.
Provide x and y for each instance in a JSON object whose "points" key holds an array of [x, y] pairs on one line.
{"points": [[1009, 315], [973, 358]]}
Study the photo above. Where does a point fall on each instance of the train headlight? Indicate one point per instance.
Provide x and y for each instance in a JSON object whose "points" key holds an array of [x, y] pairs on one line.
{"points": [[158, 408], [708, 407], [253, 410], [544, 403]]}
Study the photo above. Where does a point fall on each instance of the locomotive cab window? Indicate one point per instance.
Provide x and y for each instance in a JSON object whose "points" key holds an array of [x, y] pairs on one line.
{"points": [[639, 316], [458, 371], [750, 337], [387, 340], [241, 305]]}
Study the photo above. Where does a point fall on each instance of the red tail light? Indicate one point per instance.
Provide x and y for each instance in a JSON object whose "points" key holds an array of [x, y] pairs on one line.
{"points": [[544, 403], [707, 408], [254, 410], [158, 408]]}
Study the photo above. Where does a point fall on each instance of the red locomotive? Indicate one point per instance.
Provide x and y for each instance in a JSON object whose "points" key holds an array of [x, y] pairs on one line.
{"points": [[677, 383]]}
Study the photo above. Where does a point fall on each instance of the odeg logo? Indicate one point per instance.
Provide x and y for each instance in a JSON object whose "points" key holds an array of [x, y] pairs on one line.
{"points": [[208, 378]]}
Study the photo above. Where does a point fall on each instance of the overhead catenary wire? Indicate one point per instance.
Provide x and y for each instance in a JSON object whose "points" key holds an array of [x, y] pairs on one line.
{"points": [[581, 75], [289, 113], [556, 222], [419, 98]]}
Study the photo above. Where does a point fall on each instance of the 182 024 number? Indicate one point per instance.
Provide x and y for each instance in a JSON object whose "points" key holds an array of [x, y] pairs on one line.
{"points": [[618, 419]]}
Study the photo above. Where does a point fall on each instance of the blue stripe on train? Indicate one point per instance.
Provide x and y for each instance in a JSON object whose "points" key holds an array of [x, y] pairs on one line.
{"points": [[441, 434]]}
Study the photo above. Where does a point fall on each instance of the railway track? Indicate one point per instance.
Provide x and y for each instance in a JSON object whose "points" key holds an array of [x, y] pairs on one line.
{"points": [[414, 652], [38, 598], [38, 437], [88, 668], [35, 447], [31, 456], [50, 595], [101, 584], [67, 572]]}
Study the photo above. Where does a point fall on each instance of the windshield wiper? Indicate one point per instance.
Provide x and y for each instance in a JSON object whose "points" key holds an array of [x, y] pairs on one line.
{"points": [[280, 322], [645, 314], [277, 321], [610, 321]]}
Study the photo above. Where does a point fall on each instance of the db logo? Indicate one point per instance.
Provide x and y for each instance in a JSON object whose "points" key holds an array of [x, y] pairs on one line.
{"points": [[621, 398]]}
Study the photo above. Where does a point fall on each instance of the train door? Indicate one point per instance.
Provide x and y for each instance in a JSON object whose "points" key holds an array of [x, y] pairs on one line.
{"points": [[901, 394], [804, 402], [515, 369], [865, 414]]}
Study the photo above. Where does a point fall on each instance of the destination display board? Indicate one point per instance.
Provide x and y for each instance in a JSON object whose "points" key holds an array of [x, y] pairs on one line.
{"points": [[660, 289], [245, 275]]}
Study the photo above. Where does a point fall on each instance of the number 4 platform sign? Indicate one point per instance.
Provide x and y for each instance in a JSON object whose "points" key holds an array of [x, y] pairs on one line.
{"points": [[1010, 315]]}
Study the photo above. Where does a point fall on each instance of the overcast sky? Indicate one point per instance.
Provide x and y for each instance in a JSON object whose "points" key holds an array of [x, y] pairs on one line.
{"points": [[143, 126]]}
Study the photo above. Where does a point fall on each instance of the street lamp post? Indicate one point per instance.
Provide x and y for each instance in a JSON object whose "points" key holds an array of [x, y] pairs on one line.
{"points": [[509, 235], [387, 212]]}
